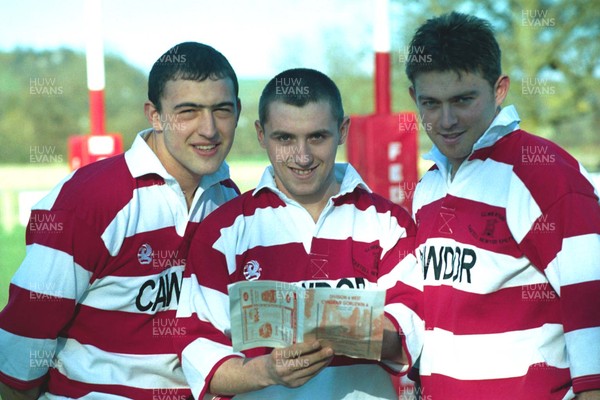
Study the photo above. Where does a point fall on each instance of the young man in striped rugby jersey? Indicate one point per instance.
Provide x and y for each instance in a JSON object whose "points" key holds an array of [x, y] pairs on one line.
{"points": [[508, 234], [92, 307], [310, 222]]}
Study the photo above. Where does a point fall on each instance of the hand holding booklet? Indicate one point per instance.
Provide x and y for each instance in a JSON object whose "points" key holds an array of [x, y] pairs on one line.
{"points": [[279, 314]]}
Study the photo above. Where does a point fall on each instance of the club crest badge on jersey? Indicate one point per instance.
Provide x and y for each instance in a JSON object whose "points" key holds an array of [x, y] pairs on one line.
{"points": [[144, 254], [252, 270]]}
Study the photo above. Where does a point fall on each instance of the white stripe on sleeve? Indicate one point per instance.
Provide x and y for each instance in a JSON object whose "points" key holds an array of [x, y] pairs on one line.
{"points": [[584, 350], [122, 227], [57, 276], [25, 358], [199, 358], [89, 364], [559, 270], [492, 356]]}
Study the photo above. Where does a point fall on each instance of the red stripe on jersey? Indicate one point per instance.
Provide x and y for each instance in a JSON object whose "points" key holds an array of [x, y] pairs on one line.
{"points": [[167, 251], [329, 259], [406, 295], [570, 216], [99, 328], [549, 173], [210, 376], [361, 199], [195, 328], [534, 385], [83, 217], [241, 206], [579, 308], [229, 183], [96, 178], [52, 313], [546, 169], [21, 385], [63, 386], [585, 383], [467, 222], [63, 231], [473, 313]]}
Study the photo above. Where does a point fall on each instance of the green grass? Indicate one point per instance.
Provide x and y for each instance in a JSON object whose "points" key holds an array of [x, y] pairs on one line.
{"points": [[12, 251]]}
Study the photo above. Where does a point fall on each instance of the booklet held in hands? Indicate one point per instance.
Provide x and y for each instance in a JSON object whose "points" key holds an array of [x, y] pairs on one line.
{"points": [[279, 314]]}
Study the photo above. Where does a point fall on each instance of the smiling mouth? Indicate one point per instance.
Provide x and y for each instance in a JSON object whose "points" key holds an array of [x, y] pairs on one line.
{"points": [[302, 172], [451, 138], [451, 135], [205, 147]]}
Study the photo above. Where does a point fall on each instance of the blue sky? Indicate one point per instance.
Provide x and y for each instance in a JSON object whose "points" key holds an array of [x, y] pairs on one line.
{"points": [[259, 37]]}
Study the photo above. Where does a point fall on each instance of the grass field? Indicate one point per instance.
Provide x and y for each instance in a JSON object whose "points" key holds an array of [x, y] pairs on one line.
{"points": [[12, 252], [245, 173]]}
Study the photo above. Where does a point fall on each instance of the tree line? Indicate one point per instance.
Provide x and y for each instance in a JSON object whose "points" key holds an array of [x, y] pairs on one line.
{"points": [[550, 50]]}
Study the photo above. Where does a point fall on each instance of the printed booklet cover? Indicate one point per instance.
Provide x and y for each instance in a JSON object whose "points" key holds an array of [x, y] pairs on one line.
{"points": [[279, 314]]}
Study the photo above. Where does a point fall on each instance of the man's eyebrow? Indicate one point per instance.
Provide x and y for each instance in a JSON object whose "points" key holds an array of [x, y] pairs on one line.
{"points": [[279, 133], [198, 105], [456, 96], [466, 94], [317, 132]]}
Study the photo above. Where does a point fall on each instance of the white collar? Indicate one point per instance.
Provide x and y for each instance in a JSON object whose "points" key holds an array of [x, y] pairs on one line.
{"points": [[504, 123], [141, 160], [344, 172]]}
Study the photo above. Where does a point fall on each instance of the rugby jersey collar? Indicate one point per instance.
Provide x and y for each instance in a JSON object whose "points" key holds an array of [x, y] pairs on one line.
{"points": [[345, 172], [505, 122], [141, 161]]}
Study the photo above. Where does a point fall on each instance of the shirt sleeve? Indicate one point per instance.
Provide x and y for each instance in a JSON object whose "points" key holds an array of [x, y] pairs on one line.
{"points": [[43, 295], [204, 313], [564, 241], [400, 275]]}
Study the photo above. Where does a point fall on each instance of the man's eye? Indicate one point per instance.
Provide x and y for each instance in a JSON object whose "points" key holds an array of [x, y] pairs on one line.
{"points": [[223, 111]]}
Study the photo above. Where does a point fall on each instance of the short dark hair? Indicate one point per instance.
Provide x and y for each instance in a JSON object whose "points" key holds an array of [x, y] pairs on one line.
{"points": [[298, 87], [455, 42], [189, 61]]}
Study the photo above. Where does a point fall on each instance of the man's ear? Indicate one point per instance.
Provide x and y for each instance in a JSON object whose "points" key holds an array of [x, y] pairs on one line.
{"points": [[501, 89], [344, 129], [413, 94], [260, 134], [153, 116], [239, 110]]}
